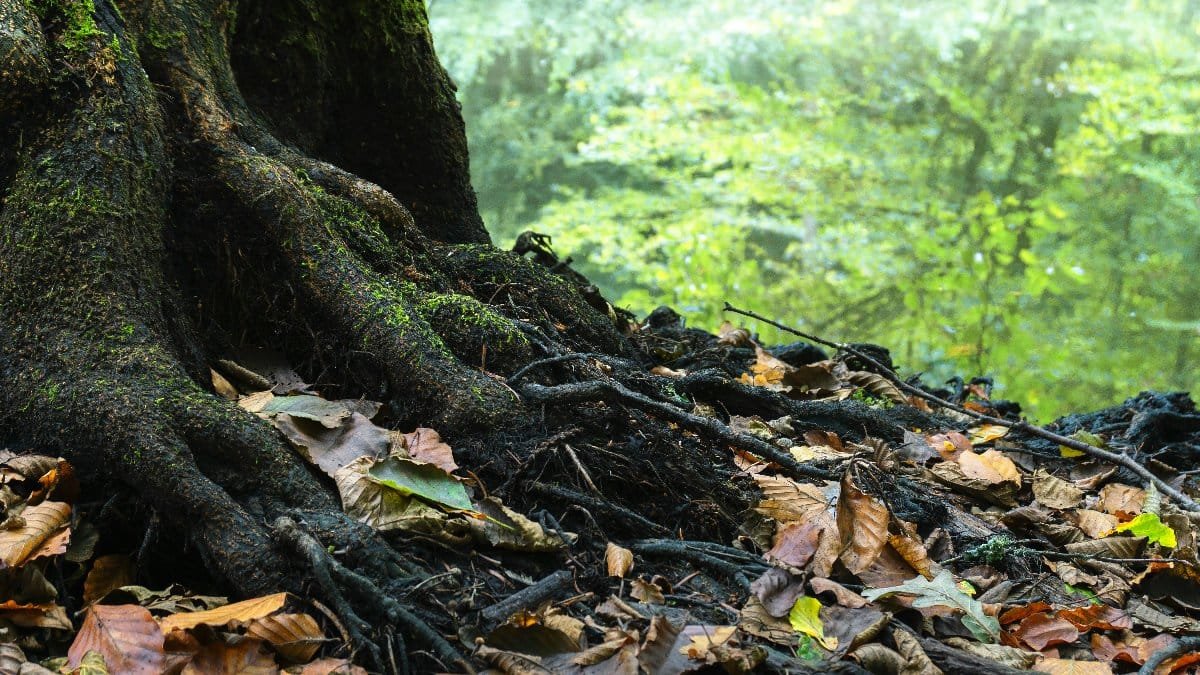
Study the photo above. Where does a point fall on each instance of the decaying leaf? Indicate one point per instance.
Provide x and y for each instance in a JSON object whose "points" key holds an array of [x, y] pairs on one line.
{"points": [[426, 445], [108, 573], [504, 528], [244, 657], [1119, 499], [380, 506], [986, 433], [1055, 492], [646, 592], [1072, 667]]}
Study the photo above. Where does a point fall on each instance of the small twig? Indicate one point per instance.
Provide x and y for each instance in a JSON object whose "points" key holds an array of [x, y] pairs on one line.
{"points": [[582, 471], [1021, 426], [680, 549], [1176, 649], [527, 597]]}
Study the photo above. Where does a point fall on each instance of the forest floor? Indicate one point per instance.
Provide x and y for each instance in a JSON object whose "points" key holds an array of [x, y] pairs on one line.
{"points": [[737, 508]]}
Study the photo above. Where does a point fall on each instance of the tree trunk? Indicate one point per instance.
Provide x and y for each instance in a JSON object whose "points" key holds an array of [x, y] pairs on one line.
{"points": [[185, 178], [157, 214]]}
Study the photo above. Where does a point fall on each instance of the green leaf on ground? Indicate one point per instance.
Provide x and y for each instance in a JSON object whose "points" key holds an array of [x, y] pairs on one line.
{"points": [[943, 591], [421, 480], [805, 618], [1149, 526]]}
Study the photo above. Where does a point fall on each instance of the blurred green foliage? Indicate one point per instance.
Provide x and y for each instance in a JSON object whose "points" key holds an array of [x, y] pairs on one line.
{"points": [[986, 187]]}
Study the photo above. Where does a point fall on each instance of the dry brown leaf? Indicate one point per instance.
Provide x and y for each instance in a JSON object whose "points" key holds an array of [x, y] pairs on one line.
{"points": [[1094, 523], [507, 529], [222, 386], [1055, 492], [257, 401], [328, 666], [333, 448], [863, 523], [244, 657], [426, 445], [246, 610], [991, 467], [127, 636], [618, 560], [986, 433], [914, 553], [646, 592], [795, 543], [41, 522], [1043, 630], [1072, 667], [877, 385], [950, 445], [109, 572], [951, 473], [702, 642], [663, 371], [787, 501], [755, 620], [1110, 547], [916, 662], [1117, 499], [295, 637]]}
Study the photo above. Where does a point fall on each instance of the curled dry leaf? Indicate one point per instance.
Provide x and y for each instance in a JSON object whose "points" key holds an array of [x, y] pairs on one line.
{"points": [[426, 445], [844, 596], [246, 610], [728, 334], [876, 385], [618, 560], [646, 592], [862, 521], [992, 467], [41, 523], [1072, 667]]}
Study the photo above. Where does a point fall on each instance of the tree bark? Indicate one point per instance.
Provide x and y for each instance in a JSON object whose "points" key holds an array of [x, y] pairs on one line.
{"points": [[172, 190]]}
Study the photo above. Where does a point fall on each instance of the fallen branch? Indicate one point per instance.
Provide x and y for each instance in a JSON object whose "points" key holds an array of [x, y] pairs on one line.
{"points": [[601, 390], [1176, 649], [1020, 425]]}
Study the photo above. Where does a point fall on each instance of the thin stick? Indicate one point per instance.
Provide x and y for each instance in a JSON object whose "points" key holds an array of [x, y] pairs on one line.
{"points": [[1022, 426]]}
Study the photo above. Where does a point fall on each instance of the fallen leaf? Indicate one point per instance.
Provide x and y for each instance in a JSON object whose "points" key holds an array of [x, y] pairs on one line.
{"points": [[1117, 499], [295, 637], [108, 573], [243, 657], [618, 560], [1071, 667], [427, 481], [41, 522], [844, 596], [332, 448], [1098, 616], [863, 523], [426, 445], [646, 592], [125, 635], [787, 501], [991, 467], [246, 610], [1149, 526], [1043, 630], [805, 618], [986, 433], [943, 591], [1055, 492]]}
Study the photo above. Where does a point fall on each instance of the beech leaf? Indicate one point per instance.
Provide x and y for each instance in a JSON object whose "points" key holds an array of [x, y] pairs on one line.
{"points": [[1149, 526]]}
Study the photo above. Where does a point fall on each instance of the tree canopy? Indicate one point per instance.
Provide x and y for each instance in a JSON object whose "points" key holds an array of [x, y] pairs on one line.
{"points": [[990, 188]]}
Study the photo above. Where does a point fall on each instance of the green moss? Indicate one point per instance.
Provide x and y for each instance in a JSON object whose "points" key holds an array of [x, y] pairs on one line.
{"points": [[163, 40], [78, 17]]}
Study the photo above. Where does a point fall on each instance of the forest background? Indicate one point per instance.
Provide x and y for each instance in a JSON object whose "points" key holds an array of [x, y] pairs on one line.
{"points": [[987, 188]]}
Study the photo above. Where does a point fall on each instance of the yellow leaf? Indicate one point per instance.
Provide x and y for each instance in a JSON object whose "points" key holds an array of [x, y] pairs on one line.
{"points": [[805, 618]]}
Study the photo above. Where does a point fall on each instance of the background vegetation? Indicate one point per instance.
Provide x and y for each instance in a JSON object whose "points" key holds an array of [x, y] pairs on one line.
{"points": [[1005, 188]]}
